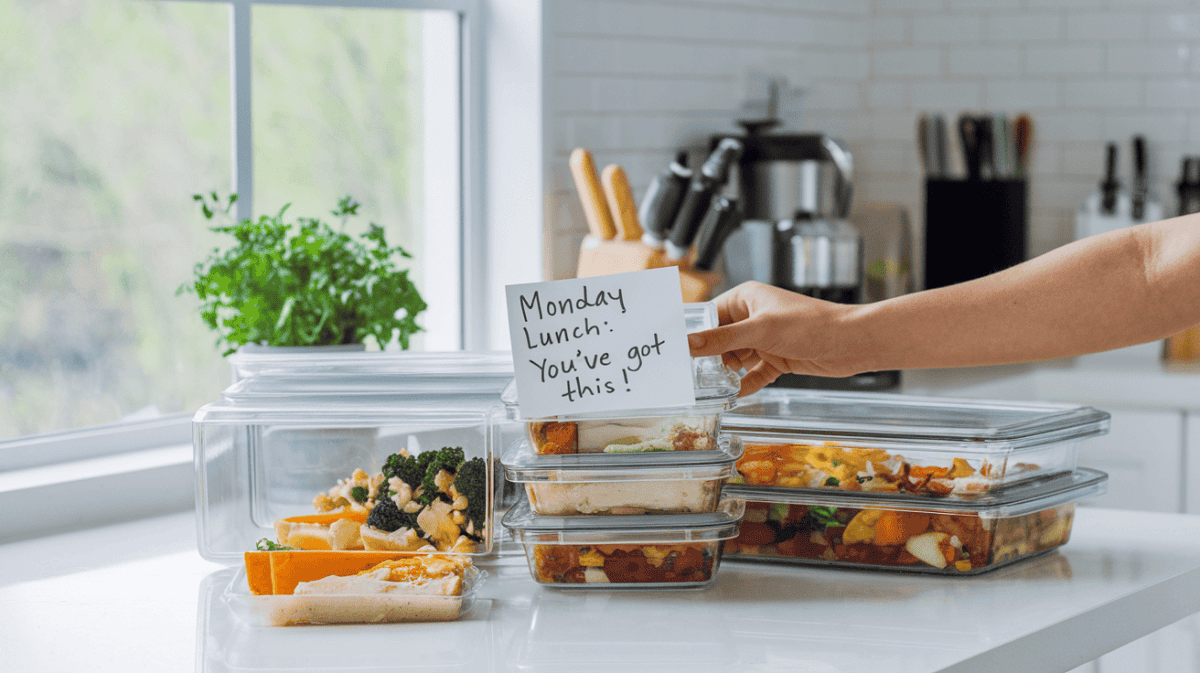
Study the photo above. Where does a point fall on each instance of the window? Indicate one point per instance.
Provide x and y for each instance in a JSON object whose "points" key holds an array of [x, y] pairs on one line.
{"points": [[117, 111]]}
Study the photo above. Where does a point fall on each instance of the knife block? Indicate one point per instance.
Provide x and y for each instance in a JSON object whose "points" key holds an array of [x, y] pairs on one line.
{"points": [[600, 258], [973, 228]]}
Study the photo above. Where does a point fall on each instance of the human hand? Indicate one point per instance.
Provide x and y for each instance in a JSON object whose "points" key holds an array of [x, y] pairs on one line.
{"points": [[769, 331]]}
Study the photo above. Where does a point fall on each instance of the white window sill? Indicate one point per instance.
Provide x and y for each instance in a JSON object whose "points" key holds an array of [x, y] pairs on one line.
{"points": [[81, 494]]}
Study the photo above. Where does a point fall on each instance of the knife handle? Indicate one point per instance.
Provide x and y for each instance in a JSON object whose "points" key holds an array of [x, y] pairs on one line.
{"points": [[687, 222], [620, 202], [591, 194], [662, 200], [722, 218]]}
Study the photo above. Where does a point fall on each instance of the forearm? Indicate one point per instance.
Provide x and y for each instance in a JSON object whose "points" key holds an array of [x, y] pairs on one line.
{"points": [[1119, 289]]}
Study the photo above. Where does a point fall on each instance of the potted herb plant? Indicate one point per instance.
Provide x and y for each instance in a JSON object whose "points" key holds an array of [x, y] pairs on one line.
{"points": [[303, 283]]}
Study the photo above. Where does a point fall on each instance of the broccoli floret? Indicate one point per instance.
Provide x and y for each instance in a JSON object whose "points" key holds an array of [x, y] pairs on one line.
{"points": [[387, 517], [471, 481], [407, 468], [266, 545], [360, 494], [447, 458]]}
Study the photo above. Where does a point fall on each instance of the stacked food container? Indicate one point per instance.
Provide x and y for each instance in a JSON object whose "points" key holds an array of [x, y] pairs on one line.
{"points": [[629, 499], [862, 480], [315, 467]]}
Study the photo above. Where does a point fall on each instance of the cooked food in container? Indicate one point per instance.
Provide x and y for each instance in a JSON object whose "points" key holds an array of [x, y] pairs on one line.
{"points": [[906, 532], [602, 484], [288, 588], [878, 442], [634, 552]]}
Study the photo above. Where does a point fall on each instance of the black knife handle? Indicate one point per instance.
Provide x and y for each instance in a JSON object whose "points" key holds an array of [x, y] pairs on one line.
{"points": [[696, 202], [968, 133], [1110, 185], [1140, 188], [662, 200], [719, 222]]}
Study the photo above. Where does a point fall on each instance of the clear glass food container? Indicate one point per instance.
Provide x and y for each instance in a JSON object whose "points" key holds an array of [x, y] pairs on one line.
{"points": [[604, 484], [689, 428], [928, 446], [667, 551], [901, 532], [350, 608], [297, 456]]}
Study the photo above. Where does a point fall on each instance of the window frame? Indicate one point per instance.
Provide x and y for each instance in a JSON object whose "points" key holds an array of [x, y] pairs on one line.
{"points": [[47, 449]]}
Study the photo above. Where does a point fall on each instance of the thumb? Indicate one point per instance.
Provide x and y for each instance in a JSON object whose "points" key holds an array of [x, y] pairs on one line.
{"points": [[721, 339]]}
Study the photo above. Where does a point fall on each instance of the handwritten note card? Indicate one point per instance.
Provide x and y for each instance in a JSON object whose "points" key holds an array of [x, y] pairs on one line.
{"points": [[605, 343]]}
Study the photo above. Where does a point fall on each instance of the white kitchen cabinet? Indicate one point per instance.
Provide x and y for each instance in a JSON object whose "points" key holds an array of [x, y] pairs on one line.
{"points": [[1143, 456]]}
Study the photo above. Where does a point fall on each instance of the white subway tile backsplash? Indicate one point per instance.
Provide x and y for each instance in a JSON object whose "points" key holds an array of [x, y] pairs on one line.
{"points": [[888, 30], [895, 125], [1085, 160], [938, 94], [983, 61], [1165, 127], [1023, 27], [886, 94], [1064, 60], [1177, 93], [891, 62], [1021, 94], [1067, 125], [946, 28], [1103, 93], [1105, 26], [1150, 59], [1175, 25]]}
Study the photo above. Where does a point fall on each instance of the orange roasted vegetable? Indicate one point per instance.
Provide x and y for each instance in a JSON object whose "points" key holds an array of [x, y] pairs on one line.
{"points": [[893, 528]]}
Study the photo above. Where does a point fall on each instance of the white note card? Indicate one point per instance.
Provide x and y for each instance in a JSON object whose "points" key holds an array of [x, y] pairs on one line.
{"points": [[606, 343]]}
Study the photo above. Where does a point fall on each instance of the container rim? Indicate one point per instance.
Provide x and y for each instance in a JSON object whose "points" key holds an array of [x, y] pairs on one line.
{"points": [[519, 459], [1048, 422], [728, 514], [1015, 500]]}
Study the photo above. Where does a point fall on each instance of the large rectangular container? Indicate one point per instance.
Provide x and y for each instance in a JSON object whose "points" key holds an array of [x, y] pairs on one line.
{"points": [[297, 452], [662, 482], [901, 532], [927, 446], [668, 551], [688, 428]]}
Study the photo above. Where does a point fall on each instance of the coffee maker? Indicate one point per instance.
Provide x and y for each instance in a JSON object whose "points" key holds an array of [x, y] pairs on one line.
{"points": [[796, 189]]}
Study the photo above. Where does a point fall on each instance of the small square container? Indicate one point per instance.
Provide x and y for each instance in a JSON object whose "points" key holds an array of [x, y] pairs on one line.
{"points": [[289, 452], [667, 482], [927, 446], [900, 532], [668, 551], [690, 428], [379, 608]]}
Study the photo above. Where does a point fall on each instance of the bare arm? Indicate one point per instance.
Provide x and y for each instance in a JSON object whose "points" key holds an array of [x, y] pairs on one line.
{"points": [[1118, 289]]}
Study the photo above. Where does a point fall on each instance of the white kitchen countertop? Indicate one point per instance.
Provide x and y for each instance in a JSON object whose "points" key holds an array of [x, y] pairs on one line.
{"points": [[1131, 377], [137, 596]]}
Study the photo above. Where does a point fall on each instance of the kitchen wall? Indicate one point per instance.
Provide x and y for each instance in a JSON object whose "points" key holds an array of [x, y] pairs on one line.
{"points": [[633, 80], [1089, 71]]}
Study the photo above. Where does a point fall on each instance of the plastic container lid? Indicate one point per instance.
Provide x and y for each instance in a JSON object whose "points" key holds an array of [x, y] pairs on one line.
{"points": [[419, 365], [363, 389], [628, 529], [715, 385], [1016, 500], [522, 465], [977, 426]]}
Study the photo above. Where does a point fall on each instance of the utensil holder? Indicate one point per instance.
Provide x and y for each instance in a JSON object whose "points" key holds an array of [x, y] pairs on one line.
{"points": [[598, 258], [973, 228]]}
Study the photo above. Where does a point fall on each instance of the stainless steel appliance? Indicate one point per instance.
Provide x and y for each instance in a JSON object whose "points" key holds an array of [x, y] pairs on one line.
{"points": [[796, 189]]}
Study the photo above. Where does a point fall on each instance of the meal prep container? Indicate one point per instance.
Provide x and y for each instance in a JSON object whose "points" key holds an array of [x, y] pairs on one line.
{"points": [[289, 433], [889, 531], [934, 447], [662, 482], [668, 551], [388, 608], [689, 428]]}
